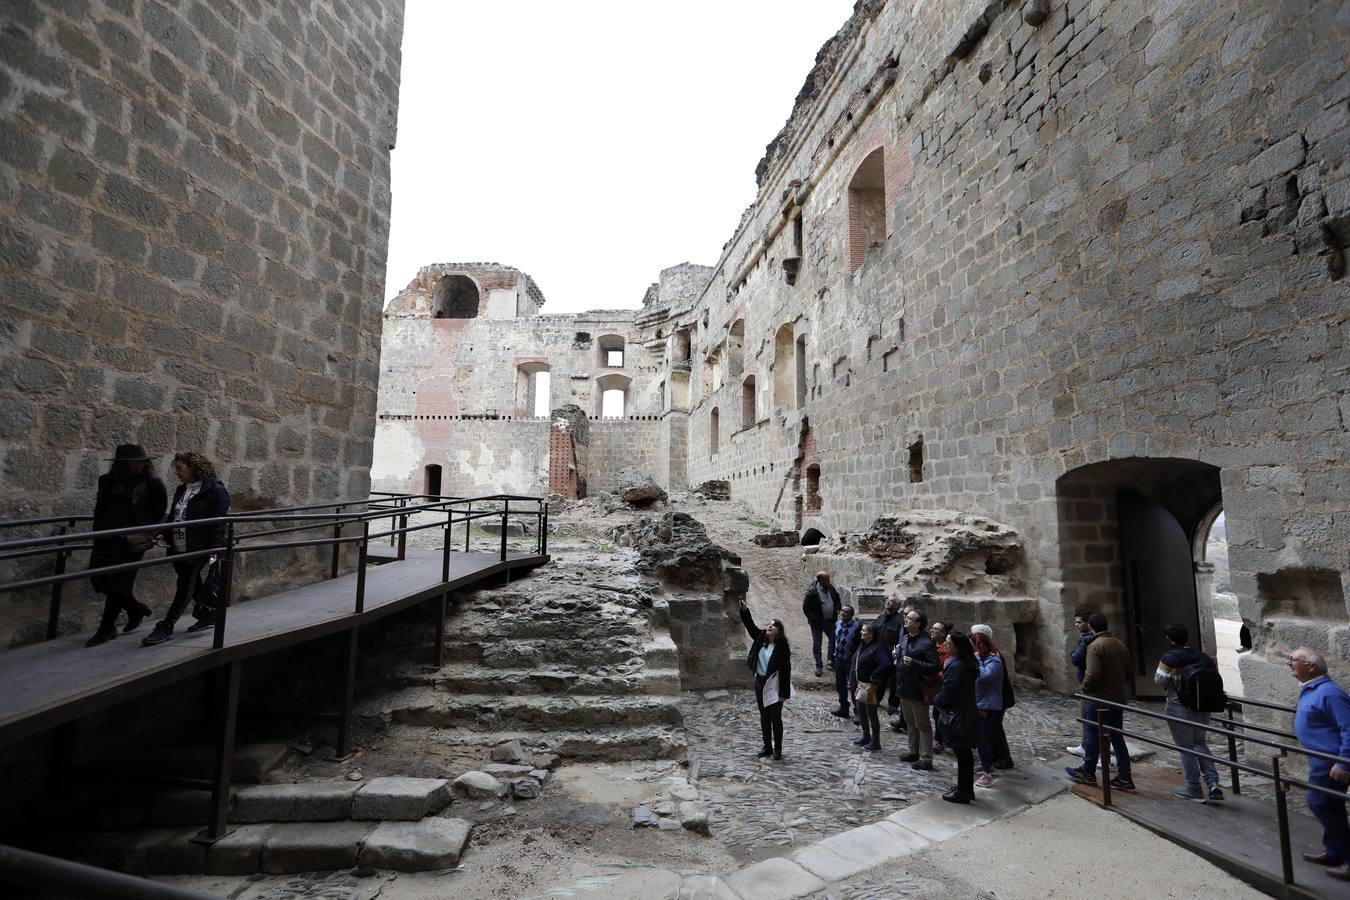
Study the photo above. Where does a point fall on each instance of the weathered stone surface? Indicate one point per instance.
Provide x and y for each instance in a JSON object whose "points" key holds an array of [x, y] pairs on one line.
{"points": [[694, 816], [508, 752], [776, 539], [524, 788], [705, 887], [636, 488], [506, 770], [239, 852], [400, 798], [714, 489], [773, 879], [675, 548], [476, 786], [433, 843], [320, 801], [311, 847]]}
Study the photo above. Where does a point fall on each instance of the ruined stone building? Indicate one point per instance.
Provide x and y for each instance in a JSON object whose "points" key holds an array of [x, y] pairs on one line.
{"points": [[1084, 278]]}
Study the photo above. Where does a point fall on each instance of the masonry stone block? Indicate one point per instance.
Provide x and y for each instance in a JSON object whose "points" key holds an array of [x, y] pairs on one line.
{"points": [[313, 847], [433, 843], [306, 802]]}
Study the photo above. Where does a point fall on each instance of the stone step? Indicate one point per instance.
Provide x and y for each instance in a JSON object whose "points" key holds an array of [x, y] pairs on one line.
{"points": [[470, 678], [598, 744], [287, 848], [428, 707], [548, 628], [657, 651]]}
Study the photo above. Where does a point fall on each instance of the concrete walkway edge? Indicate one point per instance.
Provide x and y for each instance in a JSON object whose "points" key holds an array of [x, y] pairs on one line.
{"points": [[900, 834]]}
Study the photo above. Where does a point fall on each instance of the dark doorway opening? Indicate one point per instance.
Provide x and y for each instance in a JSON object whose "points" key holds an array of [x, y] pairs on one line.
{"points": [[431, 480], [811, 537], [1127, 534]]}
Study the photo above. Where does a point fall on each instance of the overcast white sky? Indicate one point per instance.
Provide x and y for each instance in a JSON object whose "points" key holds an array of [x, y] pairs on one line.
{"points": [[590, 143]]}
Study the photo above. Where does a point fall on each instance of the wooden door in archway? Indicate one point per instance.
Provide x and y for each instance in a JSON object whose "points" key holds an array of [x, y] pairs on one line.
{"points": [[1159, 583]]}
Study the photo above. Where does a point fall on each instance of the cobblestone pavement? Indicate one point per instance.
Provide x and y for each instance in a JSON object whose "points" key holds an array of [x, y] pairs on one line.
{"points": [[825, 785]]}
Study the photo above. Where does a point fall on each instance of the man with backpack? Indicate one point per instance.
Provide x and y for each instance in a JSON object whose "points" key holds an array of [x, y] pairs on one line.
{"points": [[1194, 690]]}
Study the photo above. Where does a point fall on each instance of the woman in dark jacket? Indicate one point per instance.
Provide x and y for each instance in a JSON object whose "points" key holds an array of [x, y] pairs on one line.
{"points": [[960, 716], [200, 496], [874, 669], [129, 494], [770, 660]]}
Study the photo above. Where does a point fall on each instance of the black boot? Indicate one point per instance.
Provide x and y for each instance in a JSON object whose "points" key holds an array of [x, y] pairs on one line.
{"points": [[955, 796], [102, 636], [136, 614]]}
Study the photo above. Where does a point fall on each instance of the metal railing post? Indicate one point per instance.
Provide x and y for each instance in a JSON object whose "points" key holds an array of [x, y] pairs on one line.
{"points": [[344, 735], [218, 826], [1282, 813], [58, 568], [468, 525], [403, 535], [337, 547], [1231, 708], [543, 529], [445, 549], [361, 568], [226, 588], [506, 512], [1104, 749]]}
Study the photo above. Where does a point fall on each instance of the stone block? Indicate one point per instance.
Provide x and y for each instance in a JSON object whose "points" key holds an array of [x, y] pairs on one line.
{"points": [[774, 879], [239, 852], [476, 786], [694, 816], [322, 801], [433, 843], [312, 847], [937, 820], [400, 798], [844, 855], [508, 752], [705, 887]]}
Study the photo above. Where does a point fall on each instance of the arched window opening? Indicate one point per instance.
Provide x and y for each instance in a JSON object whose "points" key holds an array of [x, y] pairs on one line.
{"points": [[456, 297], [812, 537], [748, 413], [713, 370], [683, 346], [431, 480], [533, 382], [867, 208], [813, 488], [736, 349], [783, 389], [613, 395], [713, 427], [611, 351]]}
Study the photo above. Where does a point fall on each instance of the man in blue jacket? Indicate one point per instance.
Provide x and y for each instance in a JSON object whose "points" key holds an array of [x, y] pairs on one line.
{"points": [[845, 645], [1322, 723]]}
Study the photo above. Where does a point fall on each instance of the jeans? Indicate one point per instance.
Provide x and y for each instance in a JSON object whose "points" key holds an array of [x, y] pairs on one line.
{"points": [[1192, 739], [1330, 811], [1112, 718], [920, 729], [841, 673], [827, 629], [993, 742], [871, 723], [189, 574], [770, 719]]}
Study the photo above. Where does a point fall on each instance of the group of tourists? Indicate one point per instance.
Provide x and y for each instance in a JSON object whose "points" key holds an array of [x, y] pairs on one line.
{"points": [[130, 494], [949, 690], [946, 689]]}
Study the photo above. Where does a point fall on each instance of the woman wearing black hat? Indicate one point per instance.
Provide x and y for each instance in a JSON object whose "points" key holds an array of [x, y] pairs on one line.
{"points": [[129, 494]]}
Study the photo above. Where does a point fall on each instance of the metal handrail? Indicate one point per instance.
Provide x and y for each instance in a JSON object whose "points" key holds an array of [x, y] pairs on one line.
{"points": [[1280, 780], [26, 869], [1264, 704]]}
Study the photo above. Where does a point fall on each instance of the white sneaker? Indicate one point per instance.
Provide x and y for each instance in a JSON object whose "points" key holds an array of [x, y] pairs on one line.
{"points": [[1076, 751]]}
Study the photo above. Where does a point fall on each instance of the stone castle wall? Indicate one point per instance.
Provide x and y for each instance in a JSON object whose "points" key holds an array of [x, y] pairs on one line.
{"points": [[1114, 237], [196, 212]]}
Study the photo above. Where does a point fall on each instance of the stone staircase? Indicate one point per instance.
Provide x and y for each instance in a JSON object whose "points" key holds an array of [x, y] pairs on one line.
{"points": [[586, 670], [121, 823]]}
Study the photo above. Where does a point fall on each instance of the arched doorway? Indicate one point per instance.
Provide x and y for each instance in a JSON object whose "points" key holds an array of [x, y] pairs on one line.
{"points": [[456, 297], [1127, 529]]}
